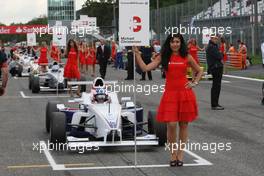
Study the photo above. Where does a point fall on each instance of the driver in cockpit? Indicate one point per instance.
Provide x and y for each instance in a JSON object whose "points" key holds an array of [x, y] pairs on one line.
{"points": [[99, 92]]}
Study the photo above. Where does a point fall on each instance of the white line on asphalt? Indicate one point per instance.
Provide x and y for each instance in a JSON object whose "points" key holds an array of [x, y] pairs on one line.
{"points": [[200, 160], [48, 155], [62, 167], [31, 97], [15, 77], [245, 78], [205, 81], [119, 167], [23, 95]]}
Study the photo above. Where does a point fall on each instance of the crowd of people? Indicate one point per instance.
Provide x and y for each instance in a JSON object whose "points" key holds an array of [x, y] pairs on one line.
{"points": [[102, 53]]}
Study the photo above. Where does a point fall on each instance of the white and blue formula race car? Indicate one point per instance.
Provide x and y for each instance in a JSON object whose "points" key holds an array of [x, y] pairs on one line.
{"points": [[24, 65], [100, 120], [51, 80]]}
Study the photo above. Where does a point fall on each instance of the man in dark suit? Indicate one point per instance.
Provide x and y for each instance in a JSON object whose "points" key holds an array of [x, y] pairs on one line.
{"points": [[102, 55], [146, 53], [130, 63], [215, 67]]}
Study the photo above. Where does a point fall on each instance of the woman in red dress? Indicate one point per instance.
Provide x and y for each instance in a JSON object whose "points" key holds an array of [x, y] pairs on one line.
{"points": [[71, 70], [55, 53], [43, 59], [178, 103], [94, 58], [113, 51], [82, 49], [90, 59], [223, 49], [193, 49]]}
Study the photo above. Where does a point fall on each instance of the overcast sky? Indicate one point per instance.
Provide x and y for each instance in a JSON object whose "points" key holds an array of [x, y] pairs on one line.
{"points": [[25, 10]]}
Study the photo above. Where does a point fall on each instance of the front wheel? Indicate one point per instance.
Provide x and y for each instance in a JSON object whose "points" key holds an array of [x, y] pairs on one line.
{"points": [[50, 108], [35, 84], [83, 87], [157, 128], [58, 128]]}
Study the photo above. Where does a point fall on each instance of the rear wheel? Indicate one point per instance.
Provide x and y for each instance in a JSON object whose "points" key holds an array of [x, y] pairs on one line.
{"points": [[19, 71], [35, 84], [83, 87], [30, 80], [65, 83], [50, 108], [58, 128], [159, 129], [138, 104]]}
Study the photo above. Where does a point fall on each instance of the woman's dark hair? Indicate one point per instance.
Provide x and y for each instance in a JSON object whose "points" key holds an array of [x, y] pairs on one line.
{"points": [[166, 51], [69, 46], [222, 40]]}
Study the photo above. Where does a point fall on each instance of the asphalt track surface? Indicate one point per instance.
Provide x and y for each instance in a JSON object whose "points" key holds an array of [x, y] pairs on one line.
{"points": [[240, 125]]}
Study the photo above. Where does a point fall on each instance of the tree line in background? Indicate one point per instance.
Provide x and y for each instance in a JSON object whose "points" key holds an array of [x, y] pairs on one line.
{"points": [[103, 9]]}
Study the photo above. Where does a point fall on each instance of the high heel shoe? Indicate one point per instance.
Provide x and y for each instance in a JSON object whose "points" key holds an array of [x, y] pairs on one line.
{"points": [[173, 163], [179, 163]]}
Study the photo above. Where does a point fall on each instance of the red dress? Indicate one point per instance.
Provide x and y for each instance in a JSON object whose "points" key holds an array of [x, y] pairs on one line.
{"points": [[82, 57], [91, 57], [94, 56], [43, 59], [222, 50], [178, 104], [113, 53], [71, 70], [193, 50], [55, 53]]}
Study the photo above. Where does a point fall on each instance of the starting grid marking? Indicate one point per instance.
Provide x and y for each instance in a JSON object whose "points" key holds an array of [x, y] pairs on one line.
{"points": [[244, 78], [44, 96], [62, 167]]}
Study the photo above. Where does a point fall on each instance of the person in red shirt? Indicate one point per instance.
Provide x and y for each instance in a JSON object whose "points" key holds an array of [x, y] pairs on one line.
{"points": [[243, 51], [223, 49], [232, 49]]}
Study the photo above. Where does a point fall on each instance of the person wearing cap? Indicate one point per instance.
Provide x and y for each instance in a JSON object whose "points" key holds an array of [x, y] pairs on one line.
{"points": [[215, 67]]}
